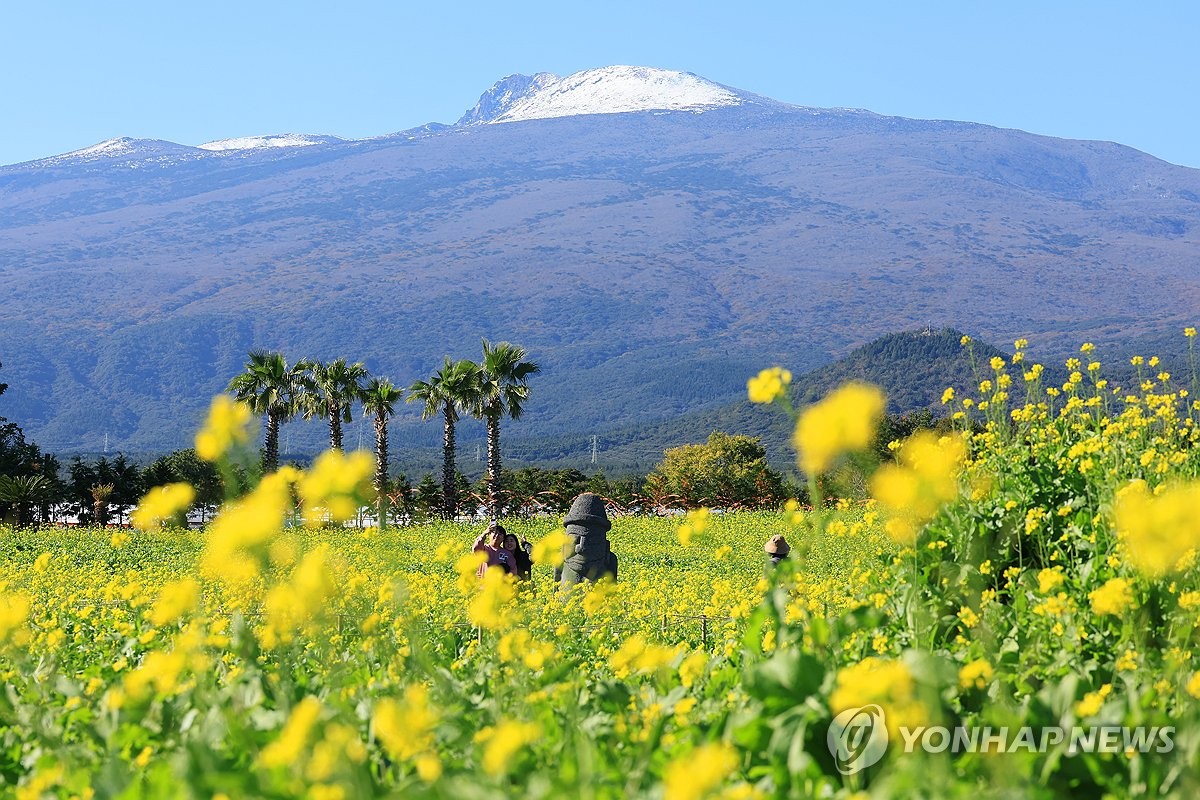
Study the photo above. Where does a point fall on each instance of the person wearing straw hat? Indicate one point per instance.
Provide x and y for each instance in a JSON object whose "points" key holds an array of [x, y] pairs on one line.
{"points": [[777, 548]]}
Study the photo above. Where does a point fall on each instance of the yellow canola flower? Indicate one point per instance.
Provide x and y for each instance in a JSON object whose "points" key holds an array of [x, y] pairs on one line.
{"points": [[161, 505], [549, 549], [445, 550], [844, 421], [696, 774], [882, 681], [406, 730], [504, 741], [14, 611], [1050, 579], [40, 783], [289, 747], [487, 608], [768, 385], [694, 524], [1113, 598], [175, 600], [228, 423], [159, 671], [692, 668], [518, 645], [336, 483], [466, 567], [339, 743], [429, 767], [793, 513], [975, 675], [637, 655], [1159, 529], [1092, 702], [924, 479], [246, 526], [296, 603]]}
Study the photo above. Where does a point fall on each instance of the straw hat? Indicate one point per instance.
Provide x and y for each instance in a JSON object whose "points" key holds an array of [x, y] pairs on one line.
{"points": [[777, 546]]}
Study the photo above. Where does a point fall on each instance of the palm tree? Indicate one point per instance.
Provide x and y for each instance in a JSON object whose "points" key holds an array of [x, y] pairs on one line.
{"points": [[452, 388], [24, 492], [269, 386], [100, 494], [502, 392], [380, 398], [330, 391]]}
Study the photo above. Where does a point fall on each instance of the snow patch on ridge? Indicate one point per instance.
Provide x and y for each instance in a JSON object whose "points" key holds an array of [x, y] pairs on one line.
{"points": [[260, 142], [109, 147], [611, 90], [133, 152]]}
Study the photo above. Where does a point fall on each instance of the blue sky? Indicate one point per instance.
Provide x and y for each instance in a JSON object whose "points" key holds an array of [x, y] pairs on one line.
{"points": [[75, 72]]}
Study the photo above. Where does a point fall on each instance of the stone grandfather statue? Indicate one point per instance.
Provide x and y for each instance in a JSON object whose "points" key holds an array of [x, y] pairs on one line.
{"points": [[586, 554]]}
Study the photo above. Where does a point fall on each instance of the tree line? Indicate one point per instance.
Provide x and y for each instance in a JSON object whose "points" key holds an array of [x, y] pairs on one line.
{"points": [[490, 390], [727, 471]]}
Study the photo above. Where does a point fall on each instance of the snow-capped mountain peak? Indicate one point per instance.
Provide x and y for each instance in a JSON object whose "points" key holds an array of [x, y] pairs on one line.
{"points": [[259, 142], [504, 94], [607, 90]]}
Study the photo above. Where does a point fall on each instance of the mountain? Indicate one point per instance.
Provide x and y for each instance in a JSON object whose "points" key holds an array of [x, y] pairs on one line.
{"points": [[124, 152], [650, 259], [912, 368]]}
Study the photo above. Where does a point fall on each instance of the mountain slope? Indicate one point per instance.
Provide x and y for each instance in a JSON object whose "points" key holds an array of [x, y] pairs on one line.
{"points": [[912, 369], [650, 260]]}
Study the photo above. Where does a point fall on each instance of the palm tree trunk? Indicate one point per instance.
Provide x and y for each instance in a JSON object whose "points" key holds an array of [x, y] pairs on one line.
{"points": [[100, 509], [493, 441], [449, 487], [335, 427], [271, 446], [381, 468]]}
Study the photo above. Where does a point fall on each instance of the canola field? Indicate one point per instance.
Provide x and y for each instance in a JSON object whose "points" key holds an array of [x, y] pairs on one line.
{"points": [[1012, 614], [374, 666]]}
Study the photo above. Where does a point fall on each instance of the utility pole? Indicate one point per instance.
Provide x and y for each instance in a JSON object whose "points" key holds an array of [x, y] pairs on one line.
{"points": [[106, 444], [478, 454], [595, 446]]}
